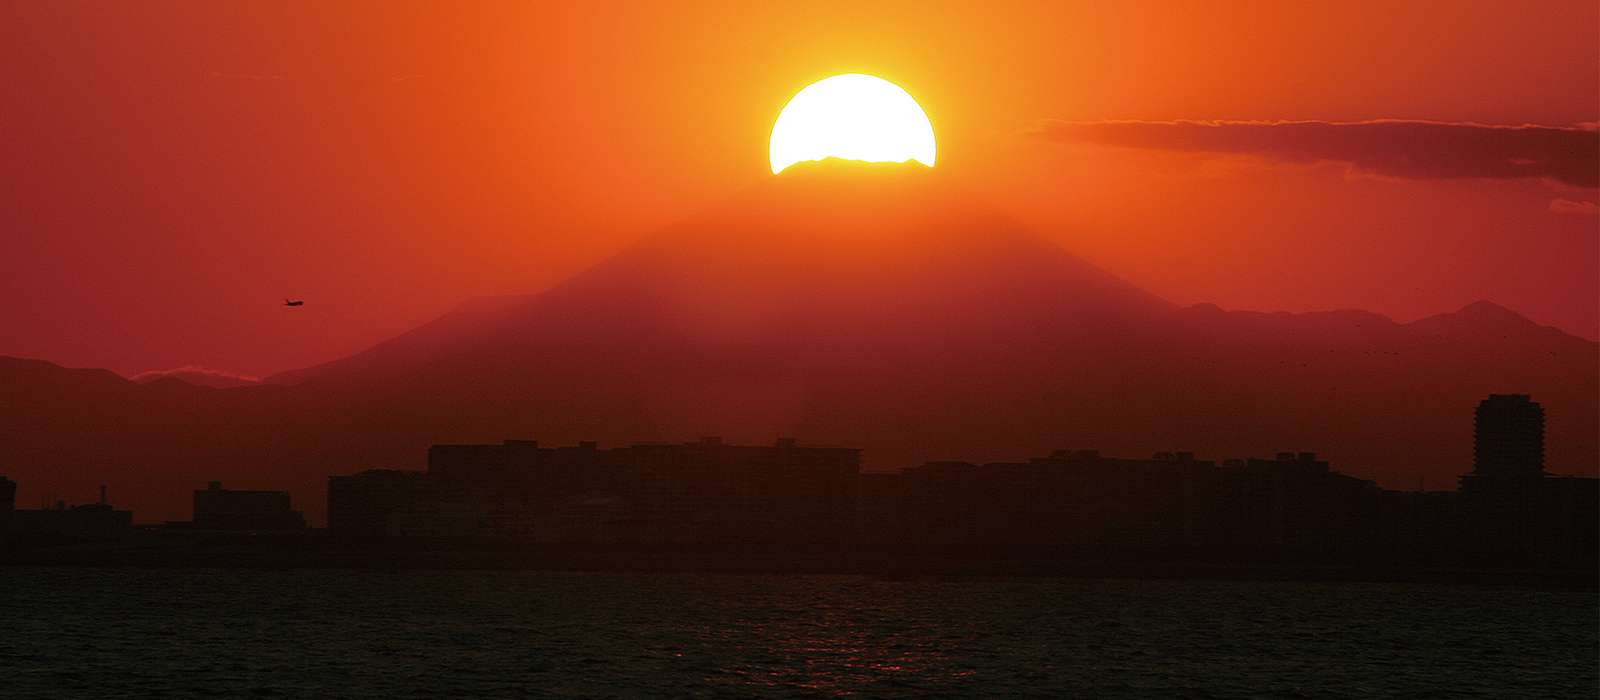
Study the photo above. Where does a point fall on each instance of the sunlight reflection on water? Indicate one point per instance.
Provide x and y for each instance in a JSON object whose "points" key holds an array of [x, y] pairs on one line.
{"points": [[316, 634]]}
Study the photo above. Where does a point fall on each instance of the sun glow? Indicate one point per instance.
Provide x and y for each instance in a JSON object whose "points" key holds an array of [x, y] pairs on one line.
{"points": [[854, 117]]}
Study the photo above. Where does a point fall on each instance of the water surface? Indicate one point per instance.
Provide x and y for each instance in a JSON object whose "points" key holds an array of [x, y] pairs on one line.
{"points": [[474, 634]]}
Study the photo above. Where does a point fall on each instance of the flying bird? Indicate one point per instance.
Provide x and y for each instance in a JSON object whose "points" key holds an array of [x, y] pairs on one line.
{"points": [[286, 302]]}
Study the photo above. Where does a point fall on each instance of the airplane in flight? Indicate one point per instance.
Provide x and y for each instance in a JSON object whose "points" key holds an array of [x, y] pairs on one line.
{"points": [[286, 302]]}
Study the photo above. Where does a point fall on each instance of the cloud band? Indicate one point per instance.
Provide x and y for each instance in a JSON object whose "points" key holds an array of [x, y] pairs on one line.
{"points": [[1409, 150]]}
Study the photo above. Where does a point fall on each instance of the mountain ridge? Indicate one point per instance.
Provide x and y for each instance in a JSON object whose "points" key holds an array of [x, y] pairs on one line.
{"points": [[66, 430], [879, 308]]}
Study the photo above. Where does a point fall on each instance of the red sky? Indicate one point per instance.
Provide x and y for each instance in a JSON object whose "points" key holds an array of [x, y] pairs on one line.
{"points": [[173, 171]]}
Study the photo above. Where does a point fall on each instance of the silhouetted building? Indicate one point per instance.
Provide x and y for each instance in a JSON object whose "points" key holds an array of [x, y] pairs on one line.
{"points": [[1307, 505], [511, 463], [1071, 498], [1507, 443], [8, 503], [217, 508], [457, 520], [715, 490], [1073, 502], [878, 515], [87, 519], [739, 491], [91, 519], [1077, 499], [1514, 510], [365, 503], [516, 471]]}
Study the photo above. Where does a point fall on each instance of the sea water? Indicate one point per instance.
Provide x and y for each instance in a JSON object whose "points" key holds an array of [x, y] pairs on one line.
{"points": [[195, 633]]}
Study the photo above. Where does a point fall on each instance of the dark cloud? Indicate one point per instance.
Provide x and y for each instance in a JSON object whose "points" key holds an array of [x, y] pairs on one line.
{"points": [[1567, 206], [1410, 150]]}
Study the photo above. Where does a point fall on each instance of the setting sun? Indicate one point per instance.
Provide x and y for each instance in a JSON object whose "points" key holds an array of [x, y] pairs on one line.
{"points": [[854, 117]]}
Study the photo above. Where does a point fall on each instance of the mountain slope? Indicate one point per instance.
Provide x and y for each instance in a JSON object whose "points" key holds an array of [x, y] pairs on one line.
{"points": [[826, 251], [871, 306]]}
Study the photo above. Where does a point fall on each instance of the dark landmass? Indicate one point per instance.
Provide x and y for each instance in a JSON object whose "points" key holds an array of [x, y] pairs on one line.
{"points": [[317, 550], [879, 307]]}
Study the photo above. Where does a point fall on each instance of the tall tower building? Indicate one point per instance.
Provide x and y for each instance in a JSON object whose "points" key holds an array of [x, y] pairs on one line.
{"points": [[1508, 438]]}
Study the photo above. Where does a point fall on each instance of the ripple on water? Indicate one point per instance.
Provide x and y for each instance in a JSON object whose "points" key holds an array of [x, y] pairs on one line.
{"points": [[319, 634]]}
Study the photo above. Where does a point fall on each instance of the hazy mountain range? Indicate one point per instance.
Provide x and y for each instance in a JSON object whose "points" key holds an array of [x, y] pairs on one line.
{"points": [[873, 306]]}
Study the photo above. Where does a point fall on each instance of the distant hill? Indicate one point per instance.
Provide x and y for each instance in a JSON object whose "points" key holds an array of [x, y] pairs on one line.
{"points": [[875, 306]]}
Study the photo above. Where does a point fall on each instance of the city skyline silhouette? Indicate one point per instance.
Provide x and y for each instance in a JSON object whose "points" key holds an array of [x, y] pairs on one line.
{"points": [[505, 349]]}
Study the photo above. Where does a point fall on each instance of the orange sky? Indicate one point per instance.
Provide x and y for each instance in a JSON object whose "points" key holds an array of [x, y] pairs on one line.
{"points": [[173, 170]]}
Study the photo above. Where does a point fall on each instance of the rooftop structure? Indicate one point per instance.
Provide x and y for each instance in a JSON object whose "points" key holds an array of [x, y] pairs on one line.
{"points": [[217, 508]]}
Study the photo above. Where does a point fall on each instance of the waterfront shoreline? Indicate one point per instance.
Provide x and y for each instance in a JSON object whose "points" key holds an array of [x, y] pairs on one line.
{"points": [[313, 550]]}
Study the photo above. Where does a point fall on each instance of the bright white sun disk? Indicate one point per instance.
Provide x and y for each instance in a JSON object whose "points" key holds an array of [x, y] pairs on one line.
{"points": [[854, 117]]}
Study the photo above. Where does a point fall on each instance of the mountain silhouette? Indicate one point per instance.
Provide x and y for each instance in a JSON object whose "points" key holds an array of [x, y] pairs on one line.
{"points": [[870, 305], [828, 255]]}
